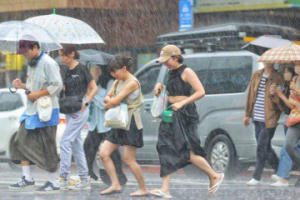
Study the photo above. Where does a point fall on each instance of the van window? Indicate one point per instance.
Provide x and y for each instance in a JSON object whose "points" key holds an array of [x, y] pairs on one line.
{"points": [[223, 74], [10, 101], [148, 78]]}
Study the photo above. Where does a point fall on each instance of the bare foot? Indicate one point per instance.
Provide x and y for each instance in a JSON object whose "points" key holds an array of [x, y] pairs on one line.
{"points": [[140, 193], [111, 190]]}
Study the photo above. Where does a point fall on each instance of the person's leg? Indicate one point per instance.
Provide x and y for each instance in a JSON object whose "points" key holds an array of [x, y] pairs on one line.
{"points": [[203, 165], [271, 155], [262, 151], [285, 162], [116, 158], [26, 170], [106, 150], [165, 187], [291, 144], [129, 153], [91, 146], [73, 128]]}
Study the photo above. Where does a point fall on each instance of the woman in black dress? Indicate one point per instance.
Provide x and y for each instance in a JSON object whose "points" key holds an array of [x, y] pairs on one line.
{"points": [[178, 142]]}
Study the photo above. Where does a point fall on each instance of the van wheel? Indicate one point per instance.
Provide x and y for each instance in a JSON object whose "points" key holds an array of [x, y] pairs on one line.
{"points": [[221, 156]]}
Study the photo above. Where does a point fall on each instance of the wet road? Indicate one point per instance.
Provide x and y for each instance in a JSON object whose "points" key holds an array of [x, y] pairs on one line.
{"points": [[182, 187]]}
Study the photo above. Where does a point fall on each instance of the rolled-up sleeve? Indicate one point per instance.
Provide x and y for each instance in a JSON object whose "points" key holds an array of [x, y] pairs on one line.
{"points": [[53, 78]]}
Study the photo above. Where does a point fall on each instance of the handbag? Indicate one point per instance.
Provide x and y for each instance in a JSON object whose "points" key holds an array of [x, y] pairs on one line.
{"points": [[117, 117], [69, 104], [293, 118], [44, 108], [159, 104]]}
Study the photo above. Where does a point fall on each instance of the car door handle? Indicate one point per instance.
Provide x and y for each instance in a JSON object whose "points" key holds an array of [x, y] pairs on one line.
{"points": [[147, 107]]}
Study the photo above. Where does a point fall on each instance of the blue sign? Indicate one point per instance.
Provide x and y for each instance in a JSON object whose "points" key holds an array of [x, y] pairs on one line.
{"points": [[185, 15]]}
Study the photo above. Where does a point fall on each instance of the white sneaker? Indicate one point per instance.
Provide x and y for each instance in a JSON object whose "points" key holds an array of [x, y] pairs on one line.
{"points": [[253, 182], [82, 185], [280, 184], [63, 183], [274, 177]]}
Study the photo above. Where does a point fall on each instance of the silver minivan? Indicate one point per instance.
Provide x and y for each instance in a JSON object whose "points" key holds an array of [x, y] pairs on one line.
{"points": [[230, 146]]}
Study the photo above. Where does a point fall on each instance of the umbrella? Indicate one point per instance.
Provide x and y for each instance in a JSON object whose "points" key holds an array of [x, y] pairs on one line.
{"points": [[285, 54], [67, 30], [11, 32], [264, 43], [91, 56]]}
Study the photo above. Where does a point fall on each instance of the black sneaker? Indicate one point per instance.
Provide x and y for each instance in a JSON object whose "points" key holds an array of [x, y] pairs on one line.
{"points": [[48, 188], [23, 183]]}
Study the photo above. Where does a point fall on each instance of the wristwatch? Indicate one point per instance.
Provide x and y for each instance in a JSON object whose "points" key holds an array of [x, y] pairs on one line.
{"points": [[86, 104]]}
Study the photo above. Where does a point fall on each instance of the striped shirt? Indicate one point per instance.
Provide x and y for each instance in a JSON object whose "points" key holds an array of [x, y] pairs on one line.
{"points": [[259, 107]]}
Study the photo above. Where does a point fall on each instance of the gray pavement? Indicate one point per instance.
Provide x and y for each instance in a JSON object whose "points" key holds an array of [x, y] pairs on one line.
{"points": [[182, 187]]}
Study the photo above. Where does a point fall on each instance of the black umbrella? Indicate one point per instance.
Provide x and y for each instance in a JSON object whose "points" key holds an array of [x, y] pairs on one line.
{"points": [[91, 56], [264, 43]]}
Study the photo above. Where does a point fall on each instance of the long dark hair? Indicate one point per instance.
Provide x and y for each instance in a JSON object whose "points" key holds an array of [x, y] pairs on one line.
{"points": [[119, 61], [105, 76]]}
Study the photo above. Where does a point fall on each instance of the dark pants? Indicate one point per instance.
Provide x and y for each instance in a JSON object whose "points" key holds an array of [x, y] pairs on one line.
{"points": [[264, 151], [91, 146]]}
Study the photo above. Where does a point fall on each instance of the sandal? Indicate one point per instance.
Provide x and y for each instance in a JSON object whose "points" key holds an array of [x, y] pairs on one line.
{"points": [[160, 194]]}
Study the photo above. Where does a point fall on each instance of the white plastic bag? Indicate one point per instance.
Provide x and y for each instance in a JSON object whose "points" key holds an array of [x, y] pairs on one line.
{"points": [[44, 108], [160, 103], [117, 117]]}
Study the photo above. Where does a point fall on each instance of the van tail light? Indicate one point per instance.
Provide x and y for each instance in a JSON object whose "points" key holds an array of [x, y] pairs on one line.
{"points": [[62, 121]]}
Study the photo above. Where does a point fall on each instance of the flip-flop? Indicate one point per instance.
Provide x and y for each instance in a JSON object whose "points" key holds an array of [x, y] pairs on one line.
{"points": [[113, 192], [141, 195], [161, 194], [217, 184]]}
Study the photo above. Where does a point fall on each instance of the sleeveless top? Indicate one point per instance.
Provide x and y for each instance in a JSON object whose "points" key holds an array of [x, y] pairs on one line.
{"points": [[175, 85], [134, 105]]}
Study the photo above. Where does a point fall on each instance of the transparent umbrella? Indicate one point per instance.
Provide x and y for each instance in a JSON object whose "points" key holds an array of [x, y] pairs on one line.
{"points": [[67, 30], [11, 32]]}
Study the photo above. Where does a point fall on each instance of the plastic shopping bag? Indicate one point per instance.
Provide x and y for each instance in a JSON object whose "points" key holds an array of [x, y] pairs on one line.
{"points": [[159, 104], [44, 108], [117, 117]]}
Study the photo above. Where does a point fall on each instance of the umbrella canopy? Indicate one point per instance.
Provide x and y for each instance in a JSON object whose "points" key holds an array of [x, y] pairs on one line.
{"points": [[285, 54], [11, 32], [91, 56], [67, 30], [264, 43]]}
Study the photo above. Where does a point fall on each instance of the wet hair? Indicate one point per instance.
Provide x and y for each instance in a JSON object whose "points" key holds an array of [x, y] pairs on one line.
{"points": [[119, 61], [105, 76], [179, 58], [68, 49]]}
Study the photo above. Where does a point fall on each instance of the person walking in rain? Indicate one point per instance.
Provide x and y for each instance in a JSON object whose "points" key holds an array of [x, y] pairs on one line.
{"points": [[265, 110], [35, 142], [178, 142], [125, 89], [98, 132], [285, 163], [77, 82], [293, 133]]}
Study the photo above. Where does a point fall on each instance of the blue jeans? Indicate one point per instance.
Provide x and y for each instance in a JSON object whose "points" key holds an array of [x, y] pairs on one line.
{"points": [[285, 164]]}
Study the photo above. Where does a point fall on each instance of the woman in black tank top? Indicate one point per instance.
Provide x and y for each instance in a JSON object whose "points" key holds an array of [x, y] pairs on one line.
{"points": [[178, 142]]}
